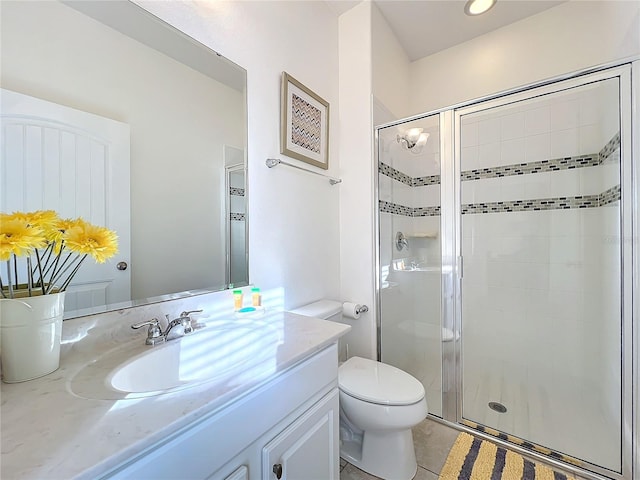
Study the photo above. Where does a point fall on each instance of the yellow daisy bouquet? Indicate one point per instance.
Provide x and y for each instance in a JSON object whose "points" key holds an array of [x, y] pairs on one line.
{"points": [[54, 249]]}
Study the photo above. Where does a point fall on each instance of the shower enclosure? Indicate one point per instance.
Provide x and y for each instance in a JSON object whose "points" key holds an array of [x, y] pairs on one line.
{"points": [[506, 267]]}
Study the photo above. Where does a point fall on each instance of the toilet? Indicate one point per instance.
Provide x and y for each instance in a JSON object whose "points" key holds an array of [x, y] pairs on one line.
{"points": [[379, 405]]}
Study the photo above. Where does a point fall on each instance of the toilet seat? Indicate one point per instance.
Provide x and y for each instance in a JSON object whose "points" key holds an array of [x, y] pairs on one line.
{"points": [[378, 383]]}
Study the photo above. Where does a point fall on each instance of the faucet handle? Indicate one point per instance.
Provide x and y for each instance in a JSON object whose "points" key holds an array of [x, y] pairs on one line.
{"points": [[186, 320], [152, 323], [154, 333]]}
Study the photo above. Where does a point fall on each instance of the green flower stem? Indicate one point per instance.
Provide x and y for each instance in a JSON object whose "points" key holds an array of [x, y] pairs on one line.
{"points": [[42, 265], [54, 265], [4, 295], [29, 276], [72, 274], [15, 268], [9, 278], [41, 281], [63, 269]]}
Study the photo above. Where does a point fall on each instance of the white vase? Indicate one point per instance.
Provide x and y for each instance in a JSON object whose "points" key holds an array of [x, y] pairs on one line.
{"points": [[30, 331]]}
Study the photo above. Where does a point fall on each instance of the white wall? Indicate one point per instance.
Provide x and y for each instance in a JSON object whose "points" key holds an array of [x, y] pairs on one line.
{"points": [[293, 216], [357, 229], [390, 67], [569, 37]]}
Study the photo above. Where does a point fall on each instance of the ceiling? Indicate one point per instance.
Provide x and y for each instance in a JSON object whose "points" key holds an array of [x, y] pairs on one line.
{"points": [[424, 27]]}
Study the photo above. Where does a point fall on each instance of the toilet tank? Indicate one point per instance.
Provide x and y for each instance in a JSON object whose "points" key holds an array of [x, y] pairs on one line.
{"points": [[324, 309]]}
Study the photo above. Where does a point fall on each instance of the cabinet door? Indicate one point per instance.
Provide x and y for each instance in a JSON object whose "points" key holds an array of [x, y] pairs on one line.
{"points": [[240, 474], [308, 448]]}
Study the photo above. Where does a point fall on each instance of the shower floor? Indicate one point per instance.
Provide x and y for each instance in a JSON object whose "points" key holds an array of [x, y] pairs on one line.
{"points": [[563, 415]]}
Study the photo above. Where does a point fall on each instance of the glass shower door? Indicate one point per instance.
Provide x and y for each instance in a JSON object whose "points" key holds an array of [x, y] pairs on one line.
{"points": [[409, 248], [540, 235]]}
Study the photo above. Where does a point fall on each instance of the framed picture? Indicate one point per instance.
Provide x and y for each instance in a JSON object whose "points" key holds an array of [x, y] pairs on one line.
{"points": [[304, 124]]}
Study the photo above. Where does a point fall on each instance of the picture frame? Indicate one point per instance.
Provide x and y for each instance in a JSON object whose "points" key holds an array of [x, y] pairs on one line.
{"points": [[304, 123]]}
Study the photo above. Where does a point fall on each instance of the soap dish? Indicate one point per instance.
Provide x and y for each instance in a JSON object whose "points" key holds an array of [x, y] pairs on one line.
{"points": [[248, 312]]}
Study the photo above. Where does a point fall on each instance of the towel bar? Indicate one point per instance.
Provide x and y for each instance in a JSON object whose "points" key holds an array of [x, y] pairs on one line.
{"points": [[272, 162]]}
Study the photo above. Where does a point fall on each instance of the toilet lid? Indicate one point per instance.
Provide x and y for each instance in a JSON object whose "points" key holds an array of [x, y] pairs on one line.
{"points": [[379, 383]]}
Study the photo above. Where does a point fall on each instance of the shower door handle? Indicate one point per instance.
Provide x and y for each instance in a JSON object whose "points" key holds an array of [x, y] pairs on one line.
{"points": [[460, 267]]}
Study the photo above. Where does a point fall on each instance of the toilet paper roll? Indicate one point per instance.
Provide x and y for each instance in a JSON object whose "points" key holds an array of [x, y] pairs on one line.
{"points": [[351, 310]]}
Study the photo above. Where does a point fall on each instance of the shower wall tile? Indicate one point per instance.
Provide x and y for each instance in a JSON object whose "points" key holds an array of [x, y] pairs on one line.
{"points": [[385, 188], [564, 143], [565, 183], [565, 115], [590, 139], [512, 126], [469, 135], [488, 155], [403, 195], [512, 187], [537, 121], [469, 158], [535, 186], [590, 180], [512, 152], [610, 175], [428, 196], [537, 147], [489, 131]]}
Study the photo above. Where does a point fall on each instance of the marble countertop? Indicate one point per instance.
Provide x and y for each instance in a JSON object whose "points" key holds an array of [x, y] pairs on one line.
{"points": [[68, 424]]}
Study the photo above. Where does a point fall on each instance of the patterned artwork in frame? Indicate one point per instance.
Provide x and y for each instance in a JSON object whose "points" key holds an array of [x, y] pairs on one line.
{"points": [[304, 124]]}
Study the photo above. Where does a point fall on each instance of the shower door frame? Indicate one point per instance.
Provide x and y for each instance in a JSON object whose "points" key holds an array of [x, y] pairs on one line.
{"points": [[452, 262], [622, 72]]}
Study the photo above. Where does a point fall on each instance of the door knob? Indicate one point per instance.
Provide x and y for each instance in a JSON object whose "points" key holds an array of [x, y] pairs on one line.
{"points": [[122, 265], [277, 469]]}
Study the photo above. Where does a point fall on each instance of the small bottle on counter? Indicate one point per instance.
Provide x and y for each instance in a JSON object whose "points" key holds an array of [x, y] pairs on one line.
{"points": [[237, 299], [256, 297]]}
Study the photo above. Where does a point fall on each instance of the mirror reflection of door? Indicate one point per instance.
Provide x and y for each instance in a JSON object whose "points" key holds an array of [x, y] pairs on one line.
{"points": [[76, 163], [236, 265]]}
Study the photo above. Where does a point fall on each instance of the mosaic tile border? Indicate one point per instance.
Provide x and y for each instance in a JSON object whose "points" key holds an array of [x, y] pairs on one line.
{"points": [[236, 191], [388, 207], [394, 174], [609, 153], [237, 217], [389, 171], [608, 197], [611, 146], [551, 165]]}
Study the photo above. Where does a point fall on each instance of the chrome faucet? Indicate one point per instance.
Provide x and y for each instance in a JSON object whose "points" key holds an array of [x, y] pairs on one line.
{"points": [[156, 336]]}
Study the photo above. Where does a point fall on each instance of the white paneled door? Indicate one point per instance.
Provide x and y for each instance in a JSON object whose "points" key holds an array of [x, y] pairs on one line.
{"points": [[58, 158]]}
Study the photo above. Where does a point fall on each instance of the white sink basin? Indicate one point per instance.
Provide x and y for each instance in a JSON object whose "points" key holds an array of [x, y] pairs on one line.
{"points": [[197, 357], [218, 351]]}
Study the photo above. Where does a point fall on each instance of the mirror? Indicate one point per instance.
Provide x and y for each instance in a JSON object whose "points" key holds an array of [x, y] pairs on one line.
{"points": [[182, 109]]}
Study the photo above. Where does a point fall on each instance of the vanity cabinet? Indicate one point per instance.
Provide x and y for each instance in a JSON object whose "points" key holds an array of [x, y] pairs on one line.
{"points": [[306, 449], [286, 428]]}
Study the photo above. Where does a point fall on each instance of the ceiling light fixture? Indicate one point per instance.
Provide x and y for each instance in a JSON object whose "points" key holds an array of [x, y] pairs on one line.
{"points": [[413, 139], [477, 7]]}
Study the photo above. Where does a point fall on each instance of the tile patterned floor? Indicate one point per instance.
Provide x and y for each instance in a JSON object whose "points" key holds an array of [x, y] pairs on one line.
{"points": [[432, 441]]}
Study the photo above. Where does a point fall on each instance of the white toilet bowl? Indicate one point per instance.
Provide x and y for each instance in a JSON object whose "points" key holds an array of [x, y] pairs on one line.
{"points": [[379, 404]]}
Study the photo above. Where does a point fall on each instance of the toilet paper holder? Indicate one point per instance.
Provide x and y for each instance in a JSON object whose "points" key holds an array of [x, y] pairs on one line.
{"points": [[362, 309]]}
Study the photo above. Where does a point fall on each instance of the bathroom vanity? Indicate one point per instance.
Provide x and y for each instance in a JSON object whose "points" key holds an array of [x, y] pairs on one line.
{"points": [[268, 410]]}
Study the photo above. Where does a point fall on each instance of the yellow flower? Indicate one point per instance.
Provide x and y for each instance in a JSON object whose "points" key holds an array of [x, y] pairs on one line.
{"points": [[56, 233], [18, 237], [99, 242]]}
